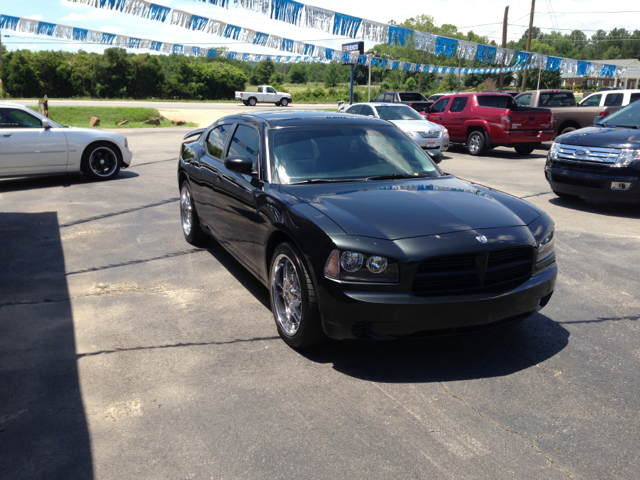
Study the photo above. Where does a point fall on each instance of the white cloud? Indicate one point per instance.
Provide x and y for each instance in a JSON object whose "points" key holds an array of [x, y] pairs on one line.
{"points": [[74, 17], [36, 17], [110, 29]]}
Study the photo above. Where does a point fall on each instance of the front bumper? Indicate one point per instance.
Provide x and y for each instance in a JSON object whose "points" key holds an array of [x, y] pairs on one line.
{"points": [[391, 315], [441, 143], [604, 186], [127, 156]]}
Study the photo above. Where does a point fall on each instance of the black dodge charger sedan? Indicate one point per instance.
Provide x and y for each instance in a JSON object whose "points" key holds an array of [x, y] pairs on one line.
{"points": [[357, 233], [602, 161]]}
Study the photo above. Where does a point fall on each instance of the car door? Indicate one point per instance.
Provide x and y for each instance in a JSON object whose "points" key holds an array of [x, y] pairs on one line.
{"points": [[592, 101], [235, 197], [453, 118], [271, 96], [26, 147], [438, 108], [207, 178]]}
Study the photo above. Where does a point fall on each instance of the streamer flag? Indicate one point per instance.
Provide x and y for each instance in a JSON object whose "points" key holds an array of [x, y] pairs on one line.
{"points": [[400, 35], [345, 25], [446, 46], [485, 54]]}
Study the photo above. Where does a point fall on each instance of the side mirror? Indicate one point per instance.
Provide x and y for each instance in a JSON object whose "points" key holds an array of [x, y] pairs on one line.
{"points": [[239, 164], [46, 124]]}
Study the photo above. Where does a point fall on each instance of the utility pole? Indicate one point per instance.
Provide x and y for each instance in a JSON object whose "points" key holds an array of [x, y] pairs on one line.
{"points": [[504, 43], [524, 73], [1, 88], [420, 77]]}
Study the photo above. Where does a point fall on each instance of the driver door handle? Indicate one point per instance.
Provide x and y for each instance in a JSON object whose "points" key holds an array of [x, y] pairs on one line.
{"points": [[6, 135], [460, 118], [440, 118]]}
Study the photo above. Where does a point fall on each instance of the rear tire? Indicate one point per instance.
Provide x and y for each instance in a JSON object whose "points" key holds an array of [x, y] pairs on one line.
{"points": [[189, 220], [523, 149], [566, 196], [252, 102], [277, 104], [293, 299], [568, 130], [246, 104], [476, 143], [101, 161]]}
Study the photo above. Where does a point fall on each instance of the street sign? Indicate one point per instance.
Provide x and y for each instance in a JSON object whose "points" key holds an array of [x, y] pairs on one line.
{"points": [[352, 48]]}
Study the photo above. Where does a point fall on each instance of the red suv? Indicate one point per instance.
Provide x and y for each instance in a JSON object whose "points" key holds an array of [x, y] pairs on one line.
{"points": [[484, 121]]}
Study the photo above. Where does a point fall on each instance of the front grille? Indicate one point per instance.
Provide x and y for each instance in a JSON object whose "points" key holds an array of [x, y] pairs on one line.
{"points": [[578, 181], [493, 272], [585, 167], [429, 134], [588, 154]]}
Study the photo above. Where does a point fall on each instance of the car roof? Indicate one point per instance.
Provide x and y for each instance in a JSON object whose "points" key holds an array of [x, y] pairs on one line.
{"points": [[292, 118], [11, 104], [382, 104]]}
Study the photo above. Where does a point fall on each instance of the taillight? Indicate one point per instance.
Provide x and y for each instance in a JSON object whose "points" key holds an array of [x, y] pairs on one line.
{"points": [[411, 105], [552, 118], [506, 122], [241, 94], [603, 113]]}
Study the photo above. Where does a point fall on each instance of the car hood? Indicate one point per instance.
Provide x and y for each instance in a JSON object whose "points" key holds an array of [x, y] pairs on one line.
{"points": [[604, 137], [416, 125], [91, 133], [397, 209]]}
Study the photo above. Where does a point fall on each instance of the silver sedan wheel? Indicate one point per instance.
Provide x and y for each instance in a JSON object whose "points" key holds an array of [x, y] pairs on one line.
{"points": [[103, 161], [186, 210], [474, 143], [286, 294]]}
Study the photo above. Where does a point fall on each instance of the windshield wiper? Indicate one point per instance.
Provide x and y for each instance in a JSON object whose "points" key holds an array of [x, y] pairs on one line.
{"points": [[624, 126], [394, 176], [325, 180]]}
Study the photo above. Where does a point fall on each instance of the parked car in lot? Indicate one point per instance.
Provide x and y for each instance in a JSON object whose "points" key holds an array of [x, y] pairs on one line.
{"points": [[484, 121], [567, 115], [429, 136], [614, 99], [357, 233], [31, 144], [265, 94], [413, 99], [602, 161]]}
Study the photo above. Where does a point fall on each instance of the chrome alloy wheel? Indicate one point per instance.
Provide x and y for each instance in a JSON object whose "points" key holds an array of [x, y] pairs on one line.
{"points": [[474, 143], [103, 161], [286, 294], [186, 210]]}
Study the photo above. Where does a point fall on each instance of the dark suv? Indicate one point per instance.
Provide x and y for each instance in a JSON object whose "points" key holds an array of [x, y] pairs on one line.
{"points": [[414, 99]]}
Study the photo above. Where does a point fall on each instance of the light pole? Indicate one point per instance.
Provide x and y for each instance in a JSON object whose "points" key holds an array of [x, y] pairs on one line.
{"points": [[370, 54]]}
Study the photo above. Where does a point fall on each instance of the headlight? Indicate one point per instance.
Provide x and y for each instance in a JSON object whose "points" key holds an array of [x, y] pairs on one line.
{"points": [[545, 248], [361, 267], [626, 157], [444, 132], [553, 153]]}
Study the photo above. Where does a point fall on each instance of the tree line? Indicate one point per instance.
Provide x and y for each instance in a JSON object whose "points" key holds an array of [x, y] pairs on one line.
{"points": [[118, 74]]}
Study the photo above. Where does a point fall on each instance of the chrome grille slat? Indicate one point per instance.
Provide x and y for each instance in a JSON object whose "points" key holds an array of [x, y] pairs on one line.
{"points": [[429, 134], [595, 154]]}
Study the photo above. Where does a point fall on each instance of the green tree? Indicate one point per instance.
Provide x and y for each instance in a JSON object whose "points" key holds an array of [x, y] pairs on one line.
{"points": [[411, 85], [331, 75], [298, 73], [450, 83], [261, 73]]}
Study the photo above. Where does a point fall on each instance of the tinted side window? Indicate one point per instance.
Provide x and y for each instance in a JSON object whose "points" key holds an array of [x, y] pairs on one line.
{"points": [[246, 142], [524, 100], [458, 104], [440, 105], [412, 97], [613, 100], [259, 89], [271, 90], [14, 118], [388, 97], [496, 101], [635, 97], [592, 101], [367, 110], [555, 99], [380, 98], [355, 109], [217, 138]]}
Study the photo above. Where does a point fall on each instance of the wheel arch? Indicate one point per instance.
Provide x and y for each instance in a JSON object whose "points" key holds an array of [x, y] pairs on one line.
{"points": [[567, 124], [95, 142], [182, 176]]}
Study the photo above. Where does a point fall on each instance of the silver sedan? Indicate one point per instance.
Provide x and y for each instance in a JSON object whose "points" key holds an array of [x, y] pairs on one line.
{"points": [[427, 134]]}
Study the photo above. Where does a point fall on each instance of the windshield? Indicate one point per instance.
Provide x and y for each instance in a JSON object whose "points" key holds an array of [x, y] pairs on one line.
{"points": [[628, 116], [344, 152], [397, 112]]}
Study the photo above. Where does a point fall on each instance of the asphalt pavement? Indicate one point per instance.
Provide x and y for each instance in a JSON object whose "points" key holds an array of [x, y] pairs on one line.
{"points": [[127, 353]]}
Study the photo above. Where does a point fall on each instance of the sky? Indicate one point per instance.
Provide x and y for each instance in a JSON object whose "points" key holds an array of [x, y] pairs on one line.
{"points": [[482, 17]]}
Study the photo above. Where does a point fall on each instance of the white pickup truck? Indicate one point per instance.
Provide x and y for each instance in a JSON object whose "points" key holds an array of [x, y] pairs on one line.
{"points": [[265, 94]]}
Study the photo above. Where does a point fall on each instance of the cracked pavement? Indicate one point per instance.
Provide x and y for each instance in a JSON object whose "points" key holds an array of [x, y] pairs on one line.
{"points": [[126, 353]]}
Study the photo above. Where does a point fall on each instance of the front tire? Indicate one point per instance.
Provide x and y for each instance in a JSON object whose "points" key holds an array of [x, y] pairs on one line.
{"points": [[523, 149], [284, 102], [293, 299], [101, 161], [191, 229], [476, 143], [566, 196]]}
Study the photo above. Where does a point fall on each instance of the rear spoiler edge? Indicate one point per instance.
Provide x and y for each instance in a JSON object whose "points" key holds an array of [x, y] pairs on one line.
{"points": [[194, 133]]}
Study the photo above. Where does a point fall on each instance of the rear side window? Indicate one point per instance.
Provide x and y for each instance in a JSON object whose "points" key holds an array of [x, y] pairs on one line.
{"points": [[388, 97], [380, 98], [555, 99], [634, 97], [355, 109], [440, 106], [367, 110], [411, 97], [496, 101], [613, 100], [524, 100], [259, 89], [459, 104], [217, 138], [246, 142]]}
